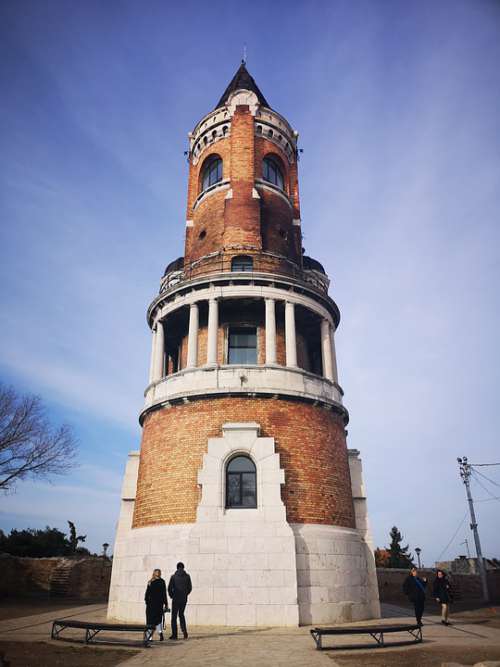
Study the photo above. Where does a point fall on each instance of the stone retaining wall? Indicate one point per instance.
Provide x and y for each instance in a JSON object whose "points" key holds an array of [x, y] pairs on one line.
{"points": [[390, 582], [25, 577]]}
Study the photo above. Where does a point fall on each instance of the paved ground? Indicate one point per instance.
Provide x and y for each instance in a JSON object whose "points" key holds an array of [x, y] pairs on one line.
{"points": [[472, 638]]}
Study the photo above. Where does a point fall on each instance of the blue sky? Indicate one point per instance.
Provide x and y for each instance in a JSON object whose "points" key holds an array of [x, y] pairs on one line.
{"points": [[398, 109]]}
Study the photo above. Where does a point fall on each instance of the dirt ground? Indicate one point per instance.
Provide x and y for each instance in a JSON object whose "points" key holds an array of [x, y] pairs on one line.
{"points": [[41, 654], [415, 657], [489, 616], [430, 655]]}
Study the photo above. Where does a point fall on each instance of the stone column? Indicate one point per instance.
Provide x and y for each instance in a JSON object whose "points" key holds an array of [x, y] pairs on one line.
{"points": [[334, 356], [326, 350], [192, 355], [270, 332], [290, 338], [152, 361], [213, 326], [159, 354]]}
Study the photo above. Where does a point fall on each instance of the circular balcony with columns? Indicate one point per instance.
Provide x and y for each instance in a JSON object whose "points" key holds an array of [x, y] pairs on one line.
{"points": [[243, 339]]}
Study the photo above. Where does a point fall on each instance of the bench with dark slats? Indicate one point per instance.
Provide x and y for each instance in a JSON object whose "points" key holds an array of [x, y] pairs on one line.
{"points": [[376, 632], [92, 628]]}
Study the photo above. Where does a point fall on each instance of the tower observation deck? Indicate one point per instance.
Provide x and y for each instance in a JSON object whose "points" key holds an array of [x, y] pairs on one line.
{"points": [[243, 471]]}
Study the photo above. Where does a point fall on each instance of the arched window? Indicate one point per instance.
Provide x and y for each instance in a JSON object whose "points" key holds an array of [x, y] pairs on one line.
{"points": [[212, 173], [242, 263], [272, 173], [241, 483]]}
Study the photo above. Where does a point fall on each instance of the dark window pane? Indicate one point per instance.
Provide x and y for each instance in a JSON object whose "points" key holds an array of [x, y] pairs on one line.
{"points": [[242, 347], [248, 490], [233, 489], [242, 356], [272, 173], [241, 483], [241, 464], [242, 263], [212, 173], [243, 339]]}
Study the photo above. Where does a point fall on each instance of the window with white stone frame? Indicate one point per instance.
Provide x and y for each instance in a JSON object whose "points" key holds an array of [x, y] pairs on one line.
{"points": [[241, 483]]}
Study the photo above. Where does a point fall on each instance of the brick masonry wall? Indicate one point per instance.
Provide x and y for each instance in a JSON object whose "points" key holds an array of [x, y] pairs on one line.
{"points": [[206, 234], [275, 214], [242, 220], [309, 439]]}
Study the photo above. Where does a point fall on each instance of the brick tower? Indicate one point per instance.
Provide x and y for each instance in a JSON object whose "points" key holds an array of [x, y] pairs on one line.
{"points": [[243, 471]]}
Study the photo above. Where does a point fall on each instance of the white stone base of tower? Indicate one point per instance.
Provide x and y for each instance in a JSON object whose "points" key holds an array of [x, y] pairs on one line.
{"points": [[248, 567], [336, 581]]}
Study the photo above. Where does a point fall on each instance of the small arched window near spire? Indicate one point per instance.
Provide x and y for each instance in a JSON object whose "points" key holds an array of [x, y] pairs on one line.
{"points": [[242, 263], [212, 173], [241, 483], [272, 173]]}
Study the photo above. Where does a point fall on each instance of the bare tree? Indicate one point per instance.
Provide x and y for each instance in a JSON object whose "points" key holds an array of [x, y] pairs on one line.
{"points": [[30, 446]]}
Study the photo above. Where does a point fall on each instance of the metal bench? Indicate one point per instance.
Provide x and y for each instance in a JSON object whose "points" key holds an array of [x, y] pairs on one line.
{"points": [[92, 628], [376, 632]]}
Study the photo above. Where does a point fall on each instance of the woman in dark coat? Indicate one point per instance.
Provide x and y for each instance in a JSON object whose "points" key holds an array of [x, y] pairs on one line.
{"points": [[414, 588], [156, 602], [441, 590]]}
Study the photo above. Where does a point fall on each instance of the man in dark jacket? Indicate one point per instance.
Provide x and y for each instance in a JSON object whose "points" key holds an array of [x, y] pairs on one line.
{"points": [[414, 588], [179, 587]]}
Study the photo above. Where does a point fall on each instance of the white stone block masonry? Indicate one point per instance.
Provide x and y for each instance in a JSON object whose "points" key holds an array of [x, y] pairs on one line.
{"points": [[249, 567]]}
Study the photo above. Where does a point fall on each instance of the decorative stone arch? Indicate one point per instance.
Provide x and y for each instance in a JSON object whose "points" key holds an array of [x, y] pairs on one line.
{"points": [[243, 97], [241, 438]]}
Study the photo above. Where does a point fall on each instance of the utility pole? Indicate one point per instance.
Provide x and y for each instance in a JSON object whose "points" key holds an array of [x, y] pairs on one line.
{"points": [[465, 473]]}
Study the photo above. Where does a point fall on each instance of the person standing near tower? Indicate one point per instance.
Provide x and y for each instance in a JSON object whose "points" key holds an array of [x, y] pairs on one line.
{"points": [[414, 587], [179, 587], [442, 592], [156, 602]]}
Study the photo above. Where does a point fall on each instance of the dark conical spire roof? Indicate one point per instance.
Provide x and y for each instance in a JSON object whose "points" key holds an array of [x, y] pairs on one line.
{"points": [[242, 79]]}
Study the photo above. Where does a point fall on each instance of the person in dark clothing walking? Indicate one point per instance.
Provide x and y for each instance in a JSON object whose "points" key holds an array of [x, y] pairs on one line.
{"points": [[156, 602], [441, 590], [414, 588], [179, 587]]}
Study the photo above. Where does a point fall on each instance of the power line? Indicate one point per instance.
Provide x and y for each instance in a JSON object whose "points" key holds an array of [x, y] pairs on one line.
{"points": [[484, 489], [454, 535], [492, 481], [476, 465]]}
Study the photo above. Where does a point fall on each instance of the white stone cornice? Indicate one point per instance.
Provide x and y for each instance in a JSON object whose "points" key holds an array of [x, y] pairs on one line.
{"points": [[214, 291], [217, 187], [265, 185], [266, 380]]}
